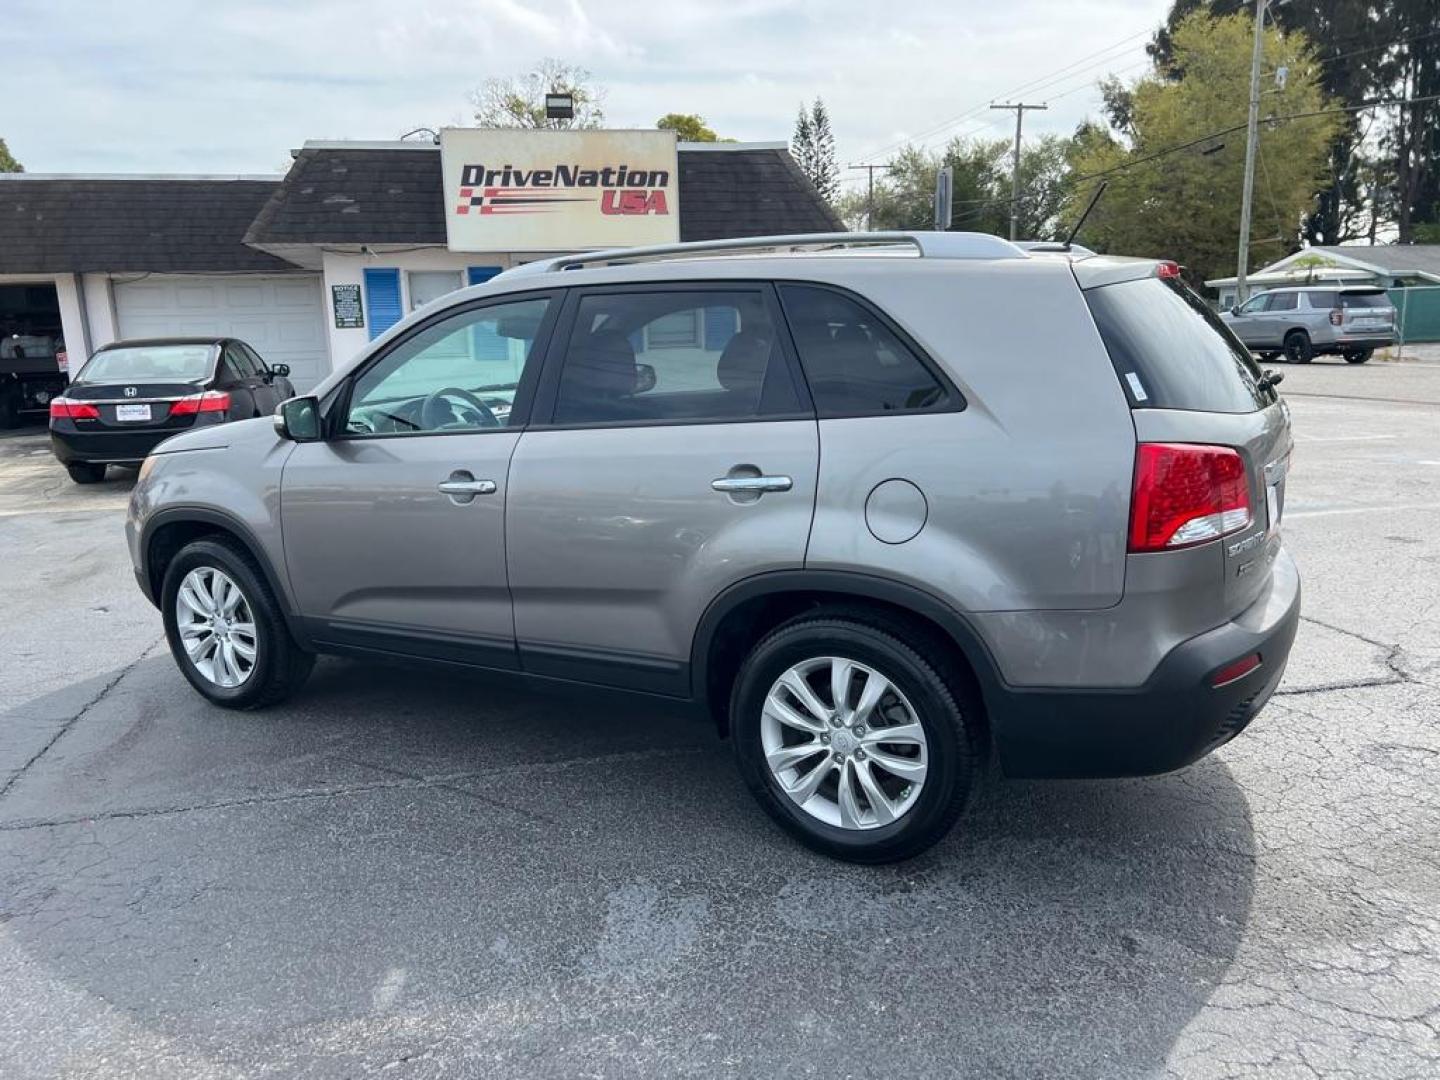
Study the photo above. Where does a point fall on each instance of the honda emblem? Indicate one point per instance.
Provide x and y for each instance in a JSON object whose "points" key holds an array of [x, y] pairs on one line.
{"points": [[131, 391]]}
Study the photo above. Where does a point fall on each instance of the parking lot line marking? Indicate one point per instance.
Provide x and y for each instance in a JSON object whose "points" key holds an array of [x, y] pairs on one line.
{"points": [[1291, 515]]}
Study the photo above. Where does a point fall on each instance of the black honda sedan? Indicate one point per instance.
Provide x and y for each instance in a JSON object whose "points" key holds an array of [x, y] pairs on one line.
{"points": [[132, 395]]}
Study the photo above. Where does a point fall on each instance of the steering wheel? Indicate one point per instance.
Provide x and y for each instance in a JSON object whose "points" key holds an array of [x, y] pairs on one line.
{"points": [[437, 411]]}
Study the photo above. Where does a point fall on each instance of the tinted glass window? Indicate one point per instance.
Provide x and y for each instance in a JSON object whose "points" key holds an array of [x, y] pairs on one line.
{"points": [[1255, 304], [674, 356], [1322, 299], [1282, 301], [154, 363], [1172, 351], [1364, 300], [459, 374], [239, 361], [855, 365], [254, 358]]}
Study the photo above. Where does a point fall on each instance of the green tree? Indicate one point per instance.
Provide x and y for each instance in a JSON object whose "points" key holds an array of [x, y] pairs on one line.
{"points": [[813, 147], [980, 186], [519, 101], [1185, 205], [7, 162], [689, 127]]}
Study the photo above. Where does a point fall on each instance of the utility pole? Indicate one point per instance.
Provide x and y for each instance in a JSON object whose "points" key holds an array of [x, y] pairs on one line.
{"points": [[1252, 141], [1019, 108], [870, 191]]}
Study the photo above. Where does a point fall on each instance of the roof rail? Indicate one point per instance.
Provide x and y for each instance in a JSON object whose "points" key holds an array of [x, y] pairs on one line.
{"points": [[928, 245]]}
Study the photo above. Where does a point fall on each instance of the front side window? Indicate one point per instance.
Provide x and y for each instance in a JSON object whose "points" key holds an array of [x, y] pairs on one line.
{"points": [[674, 355], [1256, 304], [459, 374], [855, 364], [1282, 301]]}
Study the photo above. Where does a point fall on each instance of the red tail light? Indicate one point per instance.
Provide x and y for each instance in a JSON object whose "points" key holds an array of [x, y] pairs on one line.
{"points": [[1238, 670], [1167, 268], [209, 401], [1336, 317], [64, 409], [1186, 494]]}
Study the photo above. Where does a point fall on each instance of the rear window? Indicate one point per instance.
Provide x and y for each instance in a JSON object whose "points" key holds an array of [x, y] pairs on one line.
{"points": [[1364, 300], [1172, 352], [148, 363]]}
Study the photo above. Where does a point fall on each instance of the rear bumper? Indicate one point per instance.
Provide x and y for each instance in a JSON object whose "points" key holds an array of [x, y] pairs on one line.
{"points": [[1175, 718], [1345, 344], [108, 447]]}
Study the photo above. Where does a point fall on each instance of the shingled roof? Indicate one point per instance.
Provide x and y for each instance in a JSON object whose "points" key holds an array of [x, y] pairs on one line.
{"points": [[63, 224], [336, 194]]}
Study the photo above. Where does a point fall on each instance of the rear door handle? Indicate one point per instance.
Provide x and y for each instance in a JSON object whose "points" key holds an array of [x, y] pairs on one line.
{"points": [[752, 484]]}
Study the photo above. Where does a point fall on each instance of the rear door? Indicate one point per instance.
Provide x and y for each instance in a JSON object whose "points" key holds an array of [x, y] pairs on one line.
{"points": [[1190, 381], [674, 453]]}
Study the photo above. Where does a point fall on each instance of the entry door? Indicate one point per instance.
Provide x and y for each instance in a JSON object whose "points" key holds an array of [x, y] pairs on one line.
{"points": [[680, 456], [394, 529]]}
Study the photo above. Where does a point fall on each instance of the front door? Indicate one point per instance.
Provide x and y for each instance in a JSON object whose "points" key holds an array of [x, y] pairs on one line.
{"points": [[678, 455], [394, 528]]}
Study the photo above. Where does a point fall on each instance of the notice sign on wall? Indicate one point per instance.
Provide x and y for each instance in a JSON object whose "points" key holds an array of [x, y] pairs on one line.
{"points": [[514, 190], [349, 313]]}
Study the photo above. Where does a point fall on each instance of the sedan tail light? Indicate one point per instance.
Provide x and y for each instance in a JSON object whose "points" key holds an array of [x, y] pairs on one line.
{"points": [[62, 408], [1186, 494], [209, 401]]}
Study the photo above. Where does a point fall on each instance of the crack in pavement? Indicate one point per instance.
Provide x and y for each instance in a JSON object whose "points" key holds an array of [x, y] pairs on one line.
{"points": [[401, 782], [66, 725], [1393, 660]]}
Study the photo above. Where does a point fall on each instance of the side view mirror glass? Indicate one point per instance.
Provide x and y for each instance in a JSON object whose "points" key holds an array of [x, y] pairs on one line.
{"points": [[1235, 310], [298, 419], [644, 378], [280, 370]]}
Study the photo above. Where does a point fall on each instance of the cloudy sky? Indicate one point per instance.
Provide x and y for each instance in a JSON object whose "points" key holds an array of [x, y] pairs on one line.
{"points": [[230, 86]]}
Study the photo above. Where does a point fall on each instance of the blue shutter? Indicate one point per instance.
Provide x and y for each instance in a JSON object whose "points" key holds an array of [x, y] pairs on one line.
{"points": [[382, 297], [478, 275], [719, 327]]}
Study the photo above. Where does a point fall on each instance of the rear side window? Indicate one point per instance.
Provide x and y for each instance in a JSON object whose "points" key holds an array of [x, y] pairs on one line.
{"points": [[856, 365], [1172, 352], [1283, 301], [1364, 300], [674, 356], [1322, 300]]}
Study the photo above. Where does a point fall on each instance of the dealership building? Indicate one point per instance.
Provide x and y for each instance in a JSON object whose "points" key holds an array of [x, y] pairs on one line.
{"points": [[310, 266]]}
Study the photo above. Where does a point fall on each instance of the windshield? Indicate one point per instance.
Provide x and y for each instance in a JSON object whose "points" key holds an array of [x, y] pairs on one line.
{"points": [[149, 363]]}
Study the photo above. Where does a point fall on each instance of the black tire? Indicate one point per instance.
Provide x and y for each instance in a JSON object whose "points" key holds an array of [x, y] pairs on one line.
{"points": [[1358, 356], [83, 472], [9, 407], [953, 754], [281, 666], [1298, 349]]}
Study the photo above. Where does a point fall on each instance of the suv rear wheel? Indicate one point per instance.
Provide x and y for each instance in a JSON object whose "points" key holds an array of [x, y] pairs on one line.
{"points": [[1358, 356], [226, 630], [851, 740], [1298, 349]]}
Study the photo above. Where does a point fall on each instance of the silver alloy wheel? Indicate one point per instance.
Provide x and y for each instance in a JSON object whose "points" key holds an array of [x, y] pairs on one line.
{"points": [[844, 743], [216, 626]]}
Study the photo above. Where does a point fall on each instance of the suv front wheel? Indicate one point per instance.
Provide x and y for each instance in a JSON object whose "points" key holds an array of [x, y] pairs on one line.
{"points": [[226, 630], [851, 740]]}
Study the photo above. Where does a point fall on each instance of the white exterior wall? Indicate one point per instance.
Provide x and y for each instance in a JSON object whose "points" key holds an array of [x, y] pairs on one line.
{"points": [[348, 268], [100, 304]]}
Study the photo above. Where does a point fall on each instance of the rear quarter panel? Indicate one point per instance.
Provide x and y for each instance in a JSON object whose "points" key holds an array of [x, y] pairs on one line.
{"points": [[1028, 488]]}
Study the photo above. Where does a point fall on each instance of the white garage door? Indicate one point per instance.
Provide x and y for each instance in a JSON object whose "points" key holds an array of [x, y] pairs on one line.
{"points": [[281, 317]]}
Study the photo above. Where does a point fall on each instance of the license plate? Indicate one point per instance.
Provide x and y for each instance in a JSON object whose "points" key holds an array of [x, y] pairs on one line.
{"points": [[132, 413]]}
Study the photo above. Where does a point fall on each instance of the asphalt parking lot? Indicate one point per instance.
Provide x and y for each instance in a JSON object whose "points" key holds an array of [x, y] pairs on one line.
{"points": [[419, 874]]}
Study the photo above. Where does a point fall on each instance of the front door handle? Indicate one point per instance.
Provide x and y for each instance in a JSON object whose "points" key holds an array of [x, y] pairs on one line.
{"points": [[462, 488], [752, 485]]}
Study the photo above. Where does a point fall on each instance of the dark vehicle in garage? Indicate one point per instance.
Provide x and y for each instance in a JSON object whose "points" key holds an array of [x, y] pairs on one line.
{"points": [[132, 395]]}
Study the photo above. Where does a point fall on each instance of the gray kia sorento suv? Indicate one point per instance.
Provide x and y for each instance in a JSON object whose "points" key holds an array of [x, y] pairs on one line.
{"points": [[881, 505]]}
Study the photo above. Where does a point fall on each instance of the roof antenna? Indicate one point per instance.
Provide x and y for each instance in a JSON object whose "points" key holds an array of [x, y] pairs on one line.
{"points": [[1065, 246]]}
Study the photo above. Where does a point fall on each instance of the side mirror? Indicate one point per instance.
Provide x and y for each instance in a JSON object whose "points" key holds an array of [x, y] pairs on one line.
{"points": [[1235, 310], [280, 370], [644, 378], [298, 420]]}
